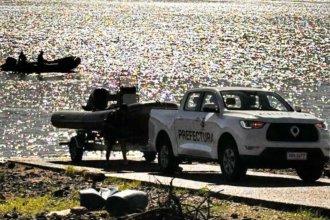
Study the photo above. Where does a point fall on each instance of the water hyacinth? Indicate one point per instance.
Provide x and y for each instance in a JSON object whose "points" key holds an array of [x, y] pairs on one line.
{"points": [[164, 47]]}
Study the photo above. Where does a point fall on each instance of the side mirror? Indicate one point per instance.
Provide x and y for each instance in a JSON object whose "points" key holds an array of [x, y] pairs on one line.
{"points": [[210, 108]]}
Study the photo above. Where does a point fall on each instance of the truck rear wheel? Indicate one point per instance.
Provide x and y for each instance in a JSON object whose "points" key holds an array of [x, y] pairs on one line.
{"points": [[166, 159], [149, 156], [231, 167], [310, 172], [76, 150]]}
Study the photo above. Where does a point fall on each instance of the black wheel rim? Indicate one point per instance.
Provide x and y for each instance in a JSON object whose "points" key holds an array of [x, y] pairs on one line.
{"points": [[229, 161]]}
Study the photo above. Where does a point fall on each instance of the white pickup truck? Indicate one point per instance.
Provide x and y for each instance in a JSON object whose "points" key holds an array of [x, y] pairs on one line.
{"points": [[240, 128]]}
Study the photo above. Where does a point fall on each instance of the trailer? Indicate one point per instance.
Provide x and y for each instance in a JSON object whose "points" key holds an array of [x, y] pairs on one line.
{"points": [[109, 120]]}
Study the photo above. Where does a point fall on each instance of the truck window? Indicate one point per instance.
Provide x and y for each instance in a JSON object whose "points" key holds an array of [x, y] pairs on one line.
{"points": [[192, 101], [232, 101], [209, 98], [254, 100], [275, 103]]}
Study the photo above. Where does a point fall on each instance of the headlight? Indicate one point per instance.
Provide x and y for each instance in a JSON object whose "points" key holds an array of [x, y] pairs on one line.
{"points": [[252, 124], [322, 125]]}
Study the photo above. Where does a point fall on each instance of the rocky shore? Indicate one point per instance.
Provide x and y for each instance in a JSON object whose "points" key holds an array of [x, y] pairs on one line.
{"points": [[59, 191], [31, 193]]}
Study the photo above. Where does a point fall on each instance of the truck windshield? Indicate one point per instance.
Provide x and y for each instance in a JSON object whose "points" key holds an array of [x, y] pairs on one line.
{"points": [[254, 100]]}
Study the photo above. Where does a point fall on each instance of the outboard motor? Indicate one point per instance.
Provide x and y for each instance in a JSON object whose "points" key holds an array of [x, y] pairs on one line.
{"points": [[98, 100]]}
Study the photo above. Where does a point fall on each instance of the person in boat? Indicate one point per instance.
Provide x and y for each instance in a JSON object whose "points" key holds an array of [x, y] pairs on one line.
{"points": [[22, 59], [41, 59]]}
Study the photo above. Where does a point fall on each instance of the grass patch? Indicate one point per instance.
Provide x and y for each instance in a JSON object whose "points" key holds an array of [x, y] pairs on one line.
{"points": [[34, 205], [71, 171], [204, 192], [122, 184], [129, 185], [306, 214]]}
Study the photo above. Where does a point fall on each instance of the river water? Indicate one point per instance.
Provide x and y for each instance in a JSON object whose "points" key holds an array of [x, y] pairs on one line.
{"points": [[164, 48]]}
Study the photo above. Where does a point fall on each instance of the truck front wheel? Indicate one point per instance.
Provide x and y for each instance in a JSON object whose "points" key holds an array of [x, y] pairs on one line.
{"points": [[166, 160], [310, 172], [76, 150], [231, 167]]}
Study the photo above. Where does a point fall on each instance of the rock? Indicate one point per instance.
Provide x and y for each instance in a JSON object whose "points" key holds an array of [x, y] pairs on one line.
{"points": [[10, 165], [28, 168], [14, 215], [60, 193], [2, 197], [62, 213], [327, 173], [41, 216], [103, 215], [7, 216], [96, 177], [79, 210]]}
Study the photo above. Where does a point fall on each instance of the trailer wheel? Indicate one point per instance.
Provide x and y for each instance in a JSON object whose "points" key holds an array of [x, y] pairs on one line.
{"points": [[231, 166], [76, 150], [149, 156], [166, 159], [310, 172]]}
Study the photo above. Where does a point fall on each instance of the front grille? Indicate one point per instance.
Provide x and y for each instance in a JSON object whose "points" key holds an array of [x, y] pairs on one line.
{"points": [[289, 132]]}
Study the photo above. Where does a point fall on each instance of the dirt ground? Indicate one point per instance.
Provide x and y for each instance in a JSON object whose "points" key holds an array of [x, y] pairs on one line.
{"points": [[19, 181]]}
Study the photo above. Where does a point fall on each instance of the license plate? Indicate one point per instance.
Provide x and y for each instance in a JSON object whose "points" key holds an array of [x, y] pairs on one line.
{"points": [[296, 156]]}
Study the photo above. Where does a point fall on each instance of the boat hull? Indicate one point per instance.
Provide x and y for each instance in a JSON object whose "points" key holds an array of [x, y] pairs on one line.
{"points": [[129, 122], [66, 64]]}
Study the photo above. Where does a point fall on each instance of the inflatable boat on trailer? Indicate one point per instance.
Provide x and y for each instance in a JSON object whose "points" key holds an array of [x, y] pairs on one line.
{"points": [[102, 125]]}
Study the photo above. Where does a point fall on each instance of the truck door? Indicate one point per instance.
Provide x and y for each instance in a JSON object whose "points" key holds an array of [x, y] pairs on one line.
{"points": [[205, 127], [183, 124]]}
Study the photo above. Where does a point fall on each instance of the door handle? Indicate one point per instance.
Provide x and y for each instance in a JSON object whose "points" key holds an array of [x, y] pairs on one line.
{"points": [[203, 122]]}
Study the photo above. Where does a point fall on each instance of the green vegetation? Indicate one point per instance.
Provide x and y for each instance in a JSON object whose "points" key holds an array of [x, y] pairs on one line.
{"points": [[308, 214], [130, 185], [71, 171], [204, 192], [34, 205], [123, 184], [190, 202]]}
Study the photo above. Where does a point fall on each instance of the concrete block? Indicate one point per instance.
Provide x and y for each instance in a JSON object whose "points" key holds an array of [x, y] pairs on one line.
{"points": [[95, 200], [126, 202]]}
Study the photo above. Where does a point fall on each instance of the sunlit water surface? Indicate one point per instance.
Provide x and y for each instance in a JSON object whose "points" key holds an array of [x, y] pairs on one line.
{"points": [[164, 47]]}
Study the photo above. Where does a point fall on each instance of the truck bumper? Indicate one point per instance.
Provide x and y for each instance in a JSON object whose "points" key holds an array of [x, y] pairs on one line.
{"points": [[277, 158]]}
